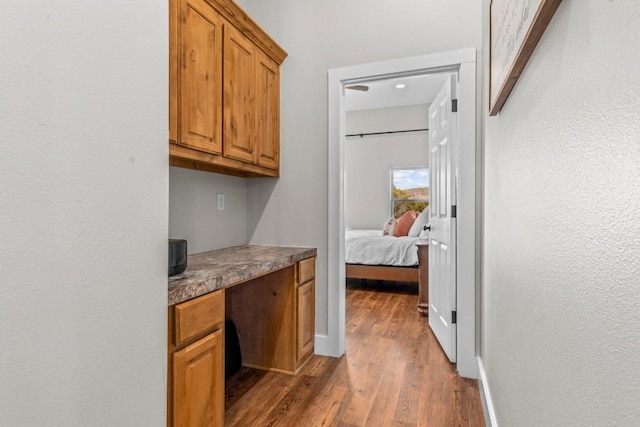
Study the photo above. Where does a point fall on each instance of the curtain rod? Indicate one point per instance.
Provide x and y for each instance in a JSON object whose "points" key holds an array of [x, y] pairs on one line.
{"points": [[385, 133]]}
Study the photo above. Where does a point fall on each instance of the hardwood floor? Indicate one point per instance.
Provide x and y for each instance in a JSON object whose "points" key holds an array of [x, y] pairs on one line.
{"points": [[394, 373]]}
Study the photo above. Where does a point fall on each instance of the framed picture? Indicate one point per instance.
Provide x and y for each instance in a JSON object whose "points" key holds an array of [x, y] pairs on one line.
{"points": [[516, 26]]}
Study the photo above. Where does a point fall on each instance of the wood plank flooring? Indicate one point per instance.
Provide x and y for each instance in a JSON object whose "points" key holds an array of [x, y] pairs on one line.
{"points": [[394, 373]]}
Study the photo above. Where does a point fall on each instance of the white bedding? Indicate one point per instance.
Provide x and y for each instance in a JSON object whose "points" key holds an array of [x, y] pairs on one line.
{"points": [[370, 247]]}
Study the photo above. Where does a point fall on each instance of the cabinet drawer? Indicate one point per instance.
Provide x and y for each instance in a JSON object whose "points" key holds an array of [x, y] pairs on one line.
{"points": [[306, 270], [198, 315]]}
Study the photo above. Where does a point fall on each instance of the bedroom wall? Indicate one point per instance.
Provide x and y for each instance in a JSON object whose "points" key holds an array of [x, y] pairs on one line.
{"points": [[319, 36], [369, 159], [561, 329]]}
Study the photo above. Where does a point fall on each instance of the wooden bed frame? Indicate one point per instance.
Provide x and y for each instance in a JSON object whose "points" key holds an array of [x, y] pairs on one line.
{"points": [[418, 274], [383, 272]]}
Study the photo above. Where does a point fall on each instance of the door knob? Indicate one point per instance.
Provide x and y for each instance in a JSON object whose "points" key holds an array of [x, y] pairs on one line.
{"points": [[427, 227]]}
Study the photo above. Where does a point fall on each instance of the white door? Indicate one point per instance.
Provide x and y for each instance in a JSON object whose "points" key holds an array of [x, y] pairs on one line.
{"points": [[442, 238]]}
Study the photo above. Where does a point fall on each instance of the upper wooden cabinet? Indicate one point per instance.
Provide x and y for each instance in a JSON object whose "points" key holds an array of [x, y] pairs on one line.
{"points": [[239, 96], [224, 90], [267, 127], [200, 76]]}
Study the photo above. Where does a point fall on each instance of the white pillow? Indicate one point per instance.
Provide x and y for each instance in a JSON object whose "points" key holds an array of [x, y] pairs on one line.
{"points": [[389, 227], [420, 222]]}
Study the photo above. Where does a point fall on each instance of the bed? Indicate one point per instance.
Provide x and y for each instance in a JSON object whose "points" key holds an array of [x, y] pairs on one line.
{"points": [[371, 255]]}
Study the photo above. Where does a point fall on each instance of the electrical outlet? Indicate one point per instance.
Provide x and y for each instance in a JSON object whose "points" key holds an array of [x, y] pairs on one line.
{"points": [[220, 201]]}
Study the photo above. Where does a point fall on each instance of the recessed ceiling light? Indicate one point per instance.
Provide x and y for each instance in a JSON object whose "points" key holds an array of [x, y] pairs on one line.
{"points": [[400, 86]]}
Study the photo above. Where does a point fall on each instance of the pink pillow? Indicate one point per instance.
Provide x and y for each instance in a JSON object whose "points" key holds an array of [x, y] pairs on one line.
{"points": [[404, 223]]}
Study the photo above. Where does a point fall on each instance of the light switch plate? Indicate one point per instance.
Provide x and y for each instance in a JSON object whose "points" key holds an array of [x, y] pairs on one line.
{"points": [[220, 201]]}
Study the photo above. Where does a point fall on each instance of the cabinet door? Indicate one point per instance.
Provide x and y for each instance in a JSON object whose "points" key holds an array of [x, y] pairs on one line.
{"points": [[239, 86], [173, 70], [198, 392], [267, 112], [306, 319], [200, 77]]}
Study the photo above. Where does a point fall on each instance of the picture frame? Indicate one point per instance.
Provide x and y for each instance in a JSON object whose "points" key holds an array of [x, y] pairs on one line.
{"points": [[516, 27]]}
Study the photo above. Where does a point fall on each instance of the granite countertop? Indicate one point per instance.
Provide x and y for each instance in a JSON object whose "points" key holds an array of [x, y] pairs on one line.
{"points": [[209, 271]]}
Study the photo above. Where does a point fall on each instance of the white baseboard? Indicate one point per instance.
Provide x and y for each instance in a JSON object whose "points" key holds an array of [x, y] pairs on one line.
{"points": [[323, 346], [485, 396]]}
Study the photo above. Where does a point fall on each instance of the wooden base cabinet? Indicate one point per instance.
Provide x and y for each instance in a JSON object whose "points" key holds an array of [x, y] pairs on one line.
{"points": [[275, 316], [196, 362], [198, 381], [305, 313], [263, 313], [224, 90], [305, 320]]}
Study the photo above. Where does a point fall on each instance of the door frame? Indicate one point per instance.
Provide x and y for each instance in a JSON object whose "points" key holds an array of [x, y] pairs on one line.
{"points": [[462, 61]]}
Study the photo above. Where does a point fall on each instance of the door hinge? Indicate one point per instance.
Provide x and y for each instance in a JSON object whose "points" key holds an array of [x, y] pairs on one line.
{"points": [[454, 105], [454, 317], [454, 211]]}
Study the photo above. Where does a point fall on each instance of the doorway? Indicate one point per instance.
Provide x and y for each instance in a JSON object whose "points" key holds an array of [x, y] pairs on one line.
{"points": [[463, 64]]}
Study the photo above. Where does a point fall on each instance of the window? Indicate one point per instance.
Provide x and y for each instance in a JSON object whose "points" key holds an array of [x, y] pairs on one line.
{"points": [[409, 189]]}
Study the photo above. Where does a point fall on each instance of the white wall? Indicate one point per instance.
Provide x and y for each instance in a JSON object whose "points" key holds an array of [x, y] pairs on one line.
{"points": [[369, 159], [83, 221], [561, 329], [194, 214], [319, 36]]}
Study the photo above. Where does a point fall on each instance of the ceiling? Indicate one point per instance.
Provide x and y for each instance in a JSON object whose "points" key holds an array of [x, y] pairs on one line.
{"points": [[420, 89]]}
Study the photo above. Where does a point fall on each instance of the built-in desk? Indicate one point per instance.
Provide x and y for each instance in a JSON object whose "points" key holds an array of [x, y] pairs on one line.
{"points": [[269, 294], [223, 268]]}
